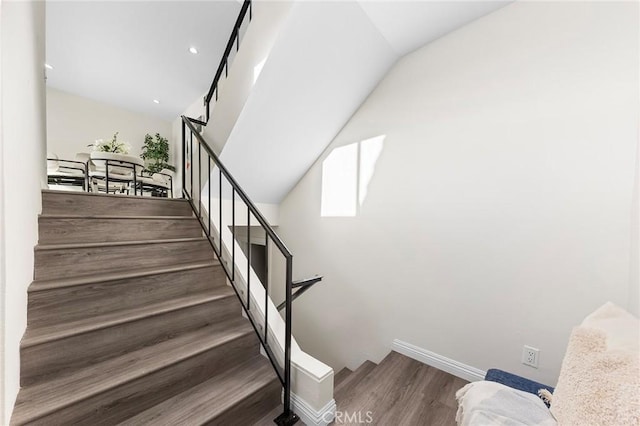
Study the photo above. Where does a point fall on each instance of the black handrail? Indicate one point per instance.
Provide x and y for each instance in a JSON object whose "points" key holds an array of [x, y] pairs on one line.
{"points": [[302, 287], [265, 224], [224, 63], [287, 417]]}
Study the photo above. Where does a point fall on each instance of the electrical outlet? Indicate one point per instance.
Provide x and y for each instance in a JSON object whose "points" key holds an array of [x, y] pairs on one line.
{"points": [[530, 356]]}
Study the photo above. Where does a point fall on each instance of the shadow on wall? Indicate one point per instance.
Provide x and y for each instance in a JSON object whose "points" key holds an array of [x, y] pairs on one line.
{"points": [[346, 174]]}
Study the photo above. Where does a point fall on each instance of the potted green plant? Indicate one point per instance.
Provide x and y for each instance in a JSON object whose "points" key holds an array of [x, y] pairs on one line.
{"points": [[114, 145], [156, 153]]}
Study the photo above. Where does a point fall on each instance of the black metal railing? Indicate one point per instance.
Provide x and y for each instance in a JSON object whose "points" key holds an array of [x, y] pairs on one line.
{"points": [[234, 40], [190, 135], [196, 152], [302, 286]]}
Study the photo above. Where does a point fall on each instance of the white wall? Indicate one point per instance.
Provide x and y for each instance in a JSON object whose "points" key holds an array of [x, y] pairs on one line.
{"points": [[23, 173], [497, 213], [255, 46], [326, 59], [2, 246], [634, 274], [73, 122]]}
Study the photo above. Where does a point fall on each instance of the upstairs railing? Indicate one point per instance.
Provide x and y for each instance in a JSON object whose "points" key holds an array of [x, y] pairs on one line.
{"points": [[234, 40]]}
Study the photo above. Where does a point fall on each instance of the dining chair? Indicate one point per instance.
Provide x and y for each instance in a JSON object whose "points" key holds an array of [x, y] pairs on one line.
{"points": [[114, 172]]}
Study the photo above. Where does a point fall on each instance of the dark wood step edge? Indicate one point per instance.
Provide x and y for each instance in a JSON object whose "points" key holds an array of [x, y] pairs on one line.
{"points": [[119, 196], [123, 317], [94, 216], [44, 247], [43, 285]]}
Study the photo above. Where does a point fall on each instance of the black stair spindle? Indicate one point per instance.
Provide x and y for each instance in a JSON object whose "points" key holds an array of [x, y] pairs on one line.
{"points": [[248, 257]]}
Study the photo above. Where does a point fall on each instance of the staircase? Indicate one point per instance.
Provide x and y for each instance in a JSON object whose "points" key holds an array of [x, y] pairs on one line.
{"points": [[398, 391], [131, 321]]}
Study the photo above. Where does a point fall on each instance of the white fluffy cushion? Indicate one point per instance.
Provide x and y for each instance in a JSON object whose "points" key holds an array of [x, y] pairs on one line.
{"points": [[599, 381]]}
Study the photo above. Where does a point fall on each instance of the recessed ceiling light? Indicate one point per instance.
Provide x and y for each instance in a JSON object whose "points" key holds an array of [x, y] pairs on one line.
{"points": [[155, 101], [193, 50], [47, 66]]}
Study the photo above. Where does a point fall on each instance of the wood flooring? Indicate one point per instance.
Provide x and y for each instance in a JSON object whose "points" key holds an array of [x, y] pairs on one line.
{"points": [[397, 392]]}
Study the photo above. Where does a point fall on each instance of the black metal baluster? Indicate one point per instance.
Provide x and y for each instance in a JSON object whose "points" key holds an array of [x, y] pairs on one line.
{"points": [[199, 179], [209, 189], [266, 286], [106, 169], [233, 234], [184, 159], [248, 257], [191, 164], [135, 183], [287, 339], [220, 211]]}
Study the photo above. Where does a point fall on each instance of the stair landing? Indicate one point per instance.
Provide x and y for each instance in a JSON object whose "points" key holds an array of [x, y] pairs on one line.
{"points": [[399, 391]]}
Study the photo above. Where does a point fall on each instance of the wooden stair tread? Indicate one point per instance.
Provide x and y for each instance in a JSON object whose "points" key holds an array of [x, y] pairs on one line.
{"points": [[386, 378], [65, 202], [39, 335], [354, 379], [43, 247], [49, 396], [209, 399], [401, 391], [341, 376], [64, 229], [41, 285]]}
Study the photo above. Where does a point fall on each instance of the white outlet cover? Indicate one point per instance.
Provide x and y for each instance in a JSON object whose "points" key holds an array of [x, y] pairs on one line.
{"points": [[530, 356]]}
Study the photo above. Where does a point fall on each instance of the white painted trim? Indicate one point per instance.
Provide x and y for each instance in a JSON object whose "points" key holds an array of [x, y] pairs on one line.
{"points": [[311, 417], [440, 362]]}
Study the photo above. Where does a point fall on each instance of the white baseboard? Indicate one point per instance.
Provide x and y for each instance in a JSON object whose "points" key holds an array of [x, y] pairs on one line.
{"points": [[440, 362], [311, 417]]}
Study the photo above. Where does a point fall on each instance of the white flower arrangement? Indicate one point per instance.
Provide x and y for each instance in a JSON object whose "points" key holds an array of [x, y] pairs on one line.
{"points": [[114, 145]]}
